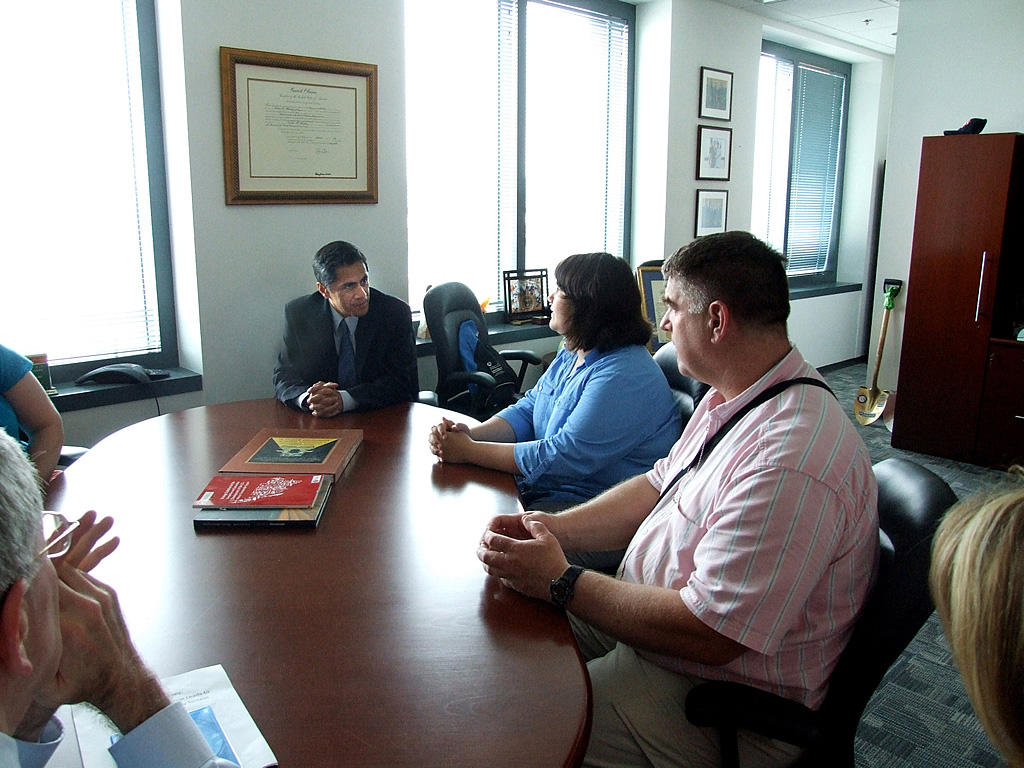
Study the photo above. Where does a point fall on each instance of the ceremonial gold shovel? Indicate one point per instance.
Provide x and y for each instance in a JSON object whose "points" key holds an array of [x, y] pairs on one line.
{"points": [[870, 401]]}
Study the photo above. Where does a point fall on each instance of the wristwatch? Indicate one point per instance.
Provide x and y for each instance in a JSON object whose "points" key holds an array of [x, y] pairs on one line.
{"points": [[562, 587]]}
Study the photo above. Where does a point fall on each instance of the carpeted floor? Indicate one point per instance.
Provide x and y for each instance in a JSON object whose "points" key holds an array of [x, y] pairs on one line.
{"points": [[920, 715]]}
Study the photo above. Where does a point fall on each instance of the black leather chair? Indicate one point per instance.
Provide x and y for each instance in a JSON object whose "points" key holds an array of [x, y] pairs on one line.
{"points": [[446, 307], [911, 501], [687, 392]]}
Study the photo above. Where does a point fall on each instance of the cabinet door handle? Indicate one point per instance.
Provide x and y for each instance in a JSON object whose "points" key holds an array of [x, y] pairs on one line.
{"points": [[981, 283]]}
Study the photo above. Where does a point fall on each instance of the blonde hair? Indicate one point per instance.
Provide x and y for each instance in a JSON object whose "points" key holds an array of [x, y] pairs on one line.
{"points": [[977, 580]]}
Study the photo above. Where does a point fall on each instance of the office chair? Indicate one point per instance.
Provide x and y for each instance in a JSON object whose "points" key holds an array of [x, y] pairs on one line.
{"points": [[476, 393], [911, 501], [686, 392]]}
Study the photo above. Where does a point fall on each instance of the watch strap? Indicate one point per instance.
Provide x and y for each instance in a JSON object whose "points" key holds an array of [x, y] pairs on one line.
{"points": [[563, 587]]}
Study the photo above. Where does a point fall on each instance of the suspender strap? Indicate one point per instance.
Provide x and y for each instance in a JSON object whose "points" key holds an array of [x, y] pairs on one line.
{"points": [[762, 398]]}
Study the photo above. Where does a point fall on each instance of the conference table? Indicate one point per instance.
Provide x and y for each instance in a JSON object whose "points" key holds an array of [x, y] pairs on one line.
{"points": [[375, 639]]}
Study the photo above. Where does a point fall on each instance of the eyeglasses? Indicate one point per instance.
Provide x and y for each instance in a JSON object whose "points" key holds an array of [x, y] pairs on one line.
{"points": [[57, 534]]}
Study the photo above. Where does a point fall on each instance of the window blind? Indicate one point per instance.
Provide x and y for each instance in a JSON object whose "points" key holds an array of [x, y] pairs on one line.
{"points": [[78, 239], [798, 157], [818, 100]]}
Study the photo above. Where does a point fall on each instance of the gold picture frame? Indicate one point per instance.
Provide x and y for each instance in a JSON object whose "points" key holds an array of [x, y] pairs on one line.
{"points": [[652, 287], [297, 129]]}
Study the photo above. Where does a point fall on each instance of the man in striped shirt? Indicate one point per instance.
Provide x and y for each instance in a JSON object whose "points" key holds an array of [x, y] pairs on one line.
{"points": [[749, 554]]}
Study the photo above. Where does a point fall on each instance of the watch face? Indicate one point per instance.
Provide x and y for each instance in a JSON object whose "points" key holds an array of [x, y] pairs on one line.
{"points": [[562, 588], [560, 592]]}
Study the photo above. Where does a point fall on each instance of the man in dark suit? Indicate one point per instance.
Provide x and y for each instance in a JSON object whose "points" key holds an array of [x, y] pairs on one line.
{"points": [[348, 346]]}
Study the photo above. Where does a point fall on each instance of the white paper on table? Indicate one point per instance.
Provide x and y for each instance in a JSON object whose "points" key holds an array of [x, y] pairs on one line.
{"points": [[199, 691]]}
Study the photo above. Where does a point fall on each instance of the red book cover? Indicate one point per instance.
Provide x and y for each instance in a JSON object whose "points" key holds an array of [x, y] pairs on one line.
{"points": [[260, 491]]}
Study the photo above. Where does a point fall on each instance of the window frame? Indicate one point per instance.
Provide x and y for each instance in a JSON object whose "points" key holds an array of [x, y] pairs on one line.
{"points": [[828, 275]]}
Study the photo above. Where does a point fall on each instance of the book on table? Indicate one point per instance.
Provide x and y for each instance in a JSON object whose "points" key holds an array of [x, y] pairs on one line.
{"points": [[266, 517], [267, 491], [296, 452]]}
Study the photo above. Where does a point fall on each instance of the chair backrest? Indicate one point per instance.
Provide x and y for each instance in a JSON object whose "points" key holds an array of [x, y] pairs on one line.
{"points": [[911, 502], [686, 392], [445, 308]]}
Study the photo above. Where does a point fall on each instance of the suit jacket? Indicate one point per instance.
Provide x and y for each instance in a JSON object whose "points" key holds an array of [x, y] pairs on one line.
{"points": [[385, 351]]}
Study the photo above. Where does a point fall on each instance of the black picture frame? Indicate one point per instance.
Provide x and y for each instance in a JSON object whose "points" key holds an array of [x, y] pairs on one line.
{"points": [[526, 295], [714, 153], [712, 212], [715, 94]]}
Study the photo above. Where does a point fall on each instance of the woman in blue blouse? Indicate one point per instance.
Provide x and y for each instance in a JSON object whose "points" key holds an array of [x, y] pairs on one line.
{"points": [[26, 412], [600, 414]]}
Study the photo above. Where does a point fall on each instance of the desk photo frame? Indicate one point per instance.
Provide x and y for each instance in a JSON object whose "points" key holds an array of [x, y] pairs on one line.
{"points": [[297, 129], [526, 295], [652, 287]]}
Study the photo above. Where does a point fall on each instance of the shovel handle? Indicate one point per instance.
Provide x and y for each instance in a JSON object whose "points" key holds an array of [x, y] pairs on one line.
{"points": [[881, 348]]}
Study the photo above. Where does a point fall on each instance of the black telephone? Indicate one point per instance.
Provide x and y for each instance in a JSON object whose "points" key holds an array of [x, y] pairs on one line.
{"points": [[122, 373]]}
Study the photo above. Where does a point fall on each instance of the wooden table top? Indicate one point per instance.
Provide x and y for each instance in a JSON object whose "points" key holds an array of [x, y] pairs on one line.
{"points": [[374, 640]]}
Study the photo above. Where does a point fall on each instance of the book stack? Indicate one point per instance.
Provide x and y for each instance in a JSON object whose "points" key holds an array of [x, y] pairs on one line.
{"points": [[281, 478]]}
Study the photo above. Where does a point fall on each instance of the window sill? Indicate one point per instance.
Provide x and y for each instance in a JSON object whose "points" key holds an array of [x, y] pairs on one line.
{"points": [[828, 289], [74, 397], [498, 332]]}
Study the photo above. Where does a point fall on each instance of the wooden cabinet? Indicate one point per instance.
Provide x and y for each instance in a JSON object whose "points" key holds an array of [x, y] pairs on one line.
{"points": [[964, 297], [1000, 440]]}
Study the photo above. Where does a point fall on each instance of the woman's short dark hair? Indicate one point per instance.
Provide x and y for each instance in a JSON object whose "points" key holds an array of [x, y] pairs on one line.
{"points": [[606, 309], [334, 256]]}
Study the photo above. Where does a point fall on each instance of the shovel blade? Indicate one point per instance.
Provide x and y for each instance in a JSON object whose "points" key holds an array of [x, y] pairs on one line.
{"points": [[889, 411], [869, 404]]}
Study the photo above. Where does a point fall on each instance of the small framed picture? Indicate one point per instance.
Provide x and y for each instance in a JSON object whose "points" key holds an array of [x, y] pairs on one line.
{"points": [[715, 94], [652, 288], [526, 295], [712, 207], [714, 152]]}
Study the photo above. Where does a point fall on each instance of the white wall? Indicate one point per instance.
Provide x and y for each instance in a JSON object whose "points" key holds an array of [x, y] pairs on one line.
{"points": [[955, 59], [707, 33], [249, 260]]}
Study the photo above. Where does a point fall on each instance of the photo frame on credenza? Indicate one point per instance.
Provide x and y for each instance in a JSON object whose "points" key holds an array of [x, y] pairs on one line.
{"points": [[526, 295], [715, 94], [711, 213], [714, 153]]}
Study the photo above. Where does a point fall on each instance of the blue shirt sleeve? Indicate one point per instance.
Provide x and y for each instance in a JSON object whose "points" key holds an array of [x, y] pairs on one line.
{"points": [[35, 754], [519, 415], [169, 739], [617, 405], [13, 368]]}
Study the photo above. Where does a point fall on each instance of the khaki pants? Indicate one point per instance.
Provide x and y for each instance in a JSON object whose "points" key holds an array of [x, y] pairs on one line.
{"points": [[639, 719]]}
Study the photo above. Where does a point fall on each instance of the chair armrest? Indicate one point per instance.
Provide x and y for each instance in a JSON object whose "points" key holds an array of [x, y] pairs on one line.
{"points": [[734, 705], [458, 381], [525, 355], [427, 397]]}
